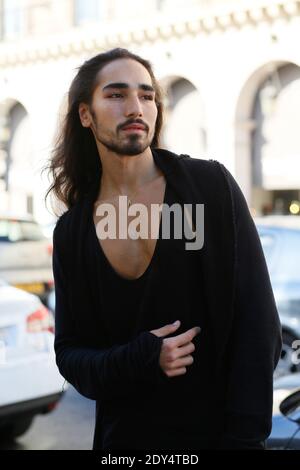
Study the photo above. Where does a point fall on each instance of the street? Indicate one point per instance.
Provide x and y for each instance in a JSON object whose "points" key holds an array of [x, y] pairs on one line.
{"points": [[69, 427]]}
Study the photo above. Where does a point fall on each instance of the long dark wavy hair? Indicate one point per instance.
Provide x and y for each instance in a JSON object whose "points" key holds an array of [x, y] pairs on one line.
{"points": [[74, 165]]}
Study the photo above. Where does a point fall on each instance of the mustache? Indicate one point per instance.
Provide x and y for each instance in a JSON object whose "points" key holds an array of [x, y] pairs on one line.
{"points": [[136, 121]]}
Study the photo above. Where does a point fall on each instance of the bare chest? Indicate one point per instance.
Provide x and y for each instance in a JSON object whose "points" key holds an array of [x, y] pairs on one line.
{"points": [[130, 256]]}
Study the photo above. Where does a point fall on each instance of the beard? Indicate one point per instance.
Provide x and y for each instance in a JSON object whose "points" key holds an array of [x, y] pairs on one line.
{"points": [[133, 144]]}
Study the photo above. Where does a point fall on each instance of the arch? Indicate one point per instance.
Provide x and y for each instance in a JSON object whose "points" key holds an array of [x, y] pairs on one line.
{"points": [[245, 124], [185, 122], [17, 150], [60, 115]]}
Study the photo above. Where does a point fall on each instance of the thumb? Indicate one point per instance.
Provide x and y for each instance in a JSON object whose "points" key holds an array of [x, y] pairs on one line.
{"points": [[167, 329]]}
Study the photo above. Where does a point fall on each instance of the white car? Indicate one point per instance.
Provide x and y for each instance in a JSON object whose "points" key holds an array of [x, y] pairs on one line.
{"points": [[25, 255], [30, 382], [280, 238]]}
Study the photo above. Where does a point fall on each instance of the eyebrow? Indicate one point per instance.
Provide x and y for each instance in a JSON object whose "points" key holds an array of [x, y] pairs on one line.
{"points": [[141, 86]]}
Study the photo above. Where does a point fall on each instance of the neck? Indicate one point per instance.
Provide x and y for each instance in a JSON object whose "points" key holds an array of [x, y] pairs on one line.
{"points": [[125, 174]]}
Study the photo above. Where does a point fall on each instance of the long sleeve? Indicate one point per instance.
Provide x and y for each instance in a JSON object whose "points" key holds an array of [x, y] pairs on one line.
{"points": [[255, 339], [99, 373]]}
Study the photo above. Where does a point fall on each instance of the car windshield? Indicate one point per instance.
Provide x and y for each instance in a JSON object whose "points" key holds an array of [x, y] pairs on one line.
{"points": [[289, 307], [268, 245], [281, 250], [20, 230]]}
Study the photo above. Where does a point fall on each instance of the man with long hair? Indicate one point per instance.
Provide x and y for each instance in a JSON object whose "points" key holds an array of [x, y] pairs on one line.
{"points": [[177, 345]]}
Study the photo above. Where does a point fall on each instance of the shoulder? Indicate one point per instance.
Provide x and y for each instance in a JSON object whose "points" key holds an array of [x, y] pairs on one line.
{"points": [[184, 163], [60, 224], [207, 171], [60, 232], [203, 164], [66, 222], [216, 178]]}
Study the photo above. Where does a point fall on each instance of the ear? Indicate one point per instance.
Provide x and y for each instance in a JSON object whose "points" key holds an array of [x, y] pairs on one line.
{"points": [[84, 114]]}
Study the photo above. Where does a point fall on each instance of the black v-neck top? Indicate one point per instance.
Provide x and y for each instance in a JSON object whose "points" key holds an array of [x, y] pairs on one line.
{"points": [[121, 297], [225, 398], [122, 305]]}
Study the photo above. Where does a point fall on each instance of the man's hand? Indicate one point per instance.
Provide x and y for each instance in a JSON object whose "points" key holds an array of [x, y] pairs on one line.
{"points": [[175, 352]]}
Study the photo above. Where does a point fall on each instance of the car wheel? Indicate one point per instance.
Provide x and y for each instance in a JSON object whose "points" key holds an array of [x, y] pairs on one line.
{"points": [[286, 365], [16, 428]]}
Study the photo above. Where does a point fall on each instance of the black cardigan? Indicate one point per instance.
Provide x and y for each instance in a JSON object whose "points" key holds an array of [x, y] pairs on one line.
{"points": [[240, 307]]}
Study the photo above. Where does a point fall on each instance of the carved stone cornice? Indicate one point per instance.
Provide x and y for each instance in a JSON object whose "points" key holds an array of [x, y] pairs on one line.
{"points": [[81, 41]]}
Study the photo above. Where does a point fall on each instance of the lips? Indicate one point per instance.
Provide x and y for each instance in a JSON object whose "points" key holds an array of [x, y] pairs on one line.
{"points": [[138, 127]]}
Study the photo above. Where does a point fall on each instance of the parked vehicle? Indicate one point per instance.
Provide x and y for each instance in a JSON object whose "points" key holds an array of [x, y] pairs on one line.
{"points": [[286, 414], [48, 228], [51, 301], [25, 256], [280, 237], [29, 378]]}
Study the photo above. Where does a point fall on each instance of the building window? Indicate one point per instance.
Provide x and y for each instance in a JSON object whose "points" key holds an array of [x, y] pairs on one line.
{"points": [[29, 200], [12, 19], [160, 4], [86, 11]]}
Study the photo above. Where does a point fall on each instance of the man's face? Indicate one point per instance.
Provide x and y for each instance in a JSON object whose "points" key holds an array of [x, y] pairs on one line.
{"points": [[124, 95]]}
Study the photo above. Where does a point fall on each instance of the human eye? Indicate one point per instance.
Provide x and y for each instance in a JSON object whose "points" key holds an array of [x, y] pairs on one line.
{"points": [[149, 97], [114, 94]]}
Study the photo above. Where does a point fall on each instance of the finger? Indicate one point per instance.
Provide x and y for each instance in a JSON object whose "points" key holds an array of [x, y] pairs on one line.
{"points": [[185, 350], [186, 337], [174, 373], [167, 329], [182, 362]]}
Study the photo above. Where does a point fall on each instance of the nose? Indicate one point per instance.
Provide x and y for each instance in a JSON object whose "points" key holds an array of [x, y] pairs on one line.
{"points": [[133, 107]]}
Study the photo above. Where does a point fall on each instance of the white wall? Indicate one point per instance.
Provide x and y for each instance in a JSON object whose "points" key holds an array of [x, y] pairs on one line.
{"points": [[225, 65]]}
